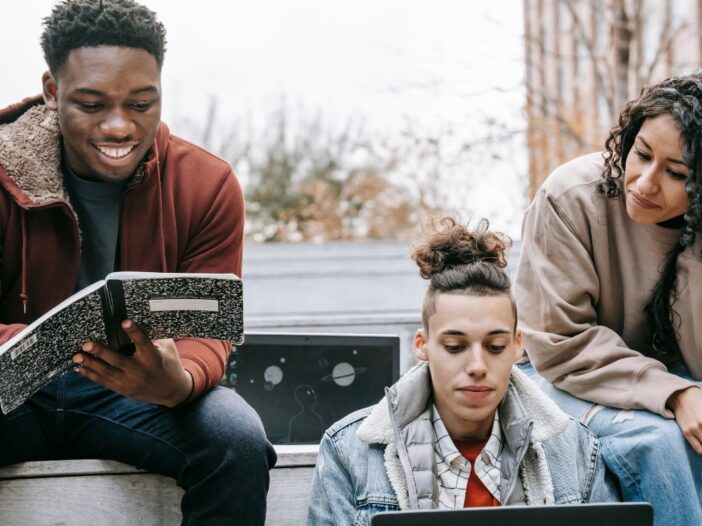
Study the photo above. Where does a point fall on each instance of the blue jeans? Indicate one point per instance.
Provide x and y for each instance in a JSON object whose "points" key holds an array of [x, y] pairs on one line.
{"points": [[214, 447], [646, 452]]}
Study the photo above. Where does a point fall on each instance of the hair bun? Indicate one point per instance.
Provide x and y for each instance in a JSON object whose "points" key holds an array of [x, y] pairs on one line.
{"points": [[452, 244]]}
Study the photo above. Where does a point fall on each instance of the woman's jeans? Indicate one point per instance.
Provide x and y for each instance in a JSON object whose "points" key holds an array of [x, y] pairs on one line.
{"points": [[646, 452], [215, 447]]}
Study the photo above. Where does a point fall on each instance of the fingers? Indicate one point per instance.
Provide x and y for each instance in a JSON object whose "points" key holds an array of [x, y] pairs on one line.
{"points": [[695, 443], [93, 367], [100, 357], [93, 350], [138, 337], [134, 332], [694, 436], [688, 414], [154, 373]]}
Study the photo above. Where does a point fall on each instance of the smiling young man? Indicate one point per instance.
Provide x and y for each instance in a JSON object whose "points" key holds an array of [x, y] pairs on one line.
{"points": [[91, 181], [463, 428]]}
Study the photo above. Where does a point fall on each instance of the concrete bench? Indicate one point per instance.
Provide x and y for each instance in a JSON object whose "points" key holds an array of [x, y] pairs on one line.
{"points": [[104, 492]]}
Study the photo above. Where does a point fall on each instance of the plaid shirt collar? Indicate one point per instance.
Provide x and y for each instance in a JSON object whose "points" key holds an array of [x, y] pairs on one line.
{"points": [[453, 471]]}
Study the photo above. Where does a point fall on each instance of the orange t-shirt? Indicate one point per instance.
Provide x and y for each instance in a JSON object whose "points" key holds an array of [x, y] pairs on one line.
{"points": [[477, 495]]}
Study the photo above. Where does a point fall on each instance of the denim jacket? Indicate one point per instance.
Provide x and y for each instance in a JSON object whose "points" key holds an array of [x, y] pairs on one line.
{"points": [[382, 458]]}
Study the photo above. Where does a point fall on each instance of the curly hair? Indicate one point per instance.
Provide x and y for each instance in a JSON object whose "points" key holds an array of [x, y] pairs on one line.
{"points": [[681, 99], [90, 23], [458, 260]]}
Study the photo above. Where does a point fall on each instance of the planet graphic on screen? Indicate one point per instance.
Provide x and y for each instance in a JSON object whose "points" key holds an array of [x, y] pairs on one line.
{"points": [[272, 376], [344, 374]]}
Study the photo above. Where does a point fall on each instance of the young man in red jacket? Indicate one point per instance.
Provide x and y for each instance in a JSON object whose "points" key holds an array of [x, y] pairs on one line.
{"points": [[91, 181]]}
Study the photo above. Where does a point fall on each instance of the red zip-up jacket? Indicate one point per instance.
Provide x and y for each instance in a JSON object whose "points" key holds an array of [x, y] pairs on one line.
{"points": [[183, 212]]}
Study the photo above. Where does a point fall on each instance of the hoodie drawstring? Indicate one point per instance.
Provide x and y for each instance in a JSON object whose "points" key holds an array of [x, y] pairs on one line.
{"points": [[157, 174], [23, 291], [164, 266]]}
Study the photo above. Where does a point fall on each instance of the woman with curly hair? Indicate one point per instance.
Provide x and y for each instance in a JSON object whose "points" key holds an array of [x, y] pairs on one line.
{"points": [[463, 428], [607, 296]]}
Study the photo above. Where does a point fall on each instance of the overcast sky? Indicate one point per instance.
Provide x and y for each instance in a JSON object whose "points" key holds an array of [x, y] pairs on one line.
{"points": [[390, 61]]}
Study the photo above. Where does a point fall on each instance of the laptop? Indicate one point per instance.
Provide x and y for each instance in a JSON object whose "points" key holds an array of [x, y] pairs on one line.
{"points": [[300, 384], [601, 514]]}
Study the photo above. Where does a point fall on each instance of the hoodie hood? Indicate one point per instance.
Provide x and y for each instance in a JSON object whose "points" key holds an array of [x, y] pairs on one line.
{"points": [[30, 153]]}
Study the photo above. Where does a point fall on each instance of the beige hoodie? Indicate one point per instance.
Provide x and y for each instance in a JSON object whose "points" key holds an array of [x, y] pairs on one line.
{"points": [[585, 275]]}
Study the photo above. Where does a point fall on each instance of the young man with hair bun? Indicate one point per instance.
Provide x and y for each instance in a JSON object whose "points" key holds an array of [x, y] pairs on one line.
{"points": [[463, 427]]}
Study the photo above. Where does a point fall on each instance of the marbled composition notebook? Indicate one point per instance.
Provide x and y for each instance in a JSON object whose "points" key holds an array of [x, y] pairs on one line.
{"points": [[164, 305]]}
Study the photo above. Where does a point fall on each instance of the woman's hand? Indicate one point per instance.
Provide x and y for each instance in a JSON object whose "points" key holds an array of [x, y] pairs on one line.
{"points": [[687, 406]]}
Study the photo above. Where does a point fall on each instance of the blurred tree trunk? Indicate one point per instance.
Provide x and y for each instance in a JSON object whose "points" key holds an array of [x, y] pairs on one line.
{"points": [[617, 47], [622, 37]]}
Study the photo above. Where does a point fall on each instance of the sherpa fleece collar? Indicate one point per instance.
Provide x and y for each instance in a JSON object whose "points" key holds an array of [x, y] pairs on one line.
{"points": [[30, 153]]}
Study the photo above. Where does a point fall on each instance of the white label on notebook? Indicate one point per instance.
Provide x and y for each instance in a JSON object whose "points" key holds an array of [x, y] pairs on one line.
{"points": [[184, 304], [26, 344]]}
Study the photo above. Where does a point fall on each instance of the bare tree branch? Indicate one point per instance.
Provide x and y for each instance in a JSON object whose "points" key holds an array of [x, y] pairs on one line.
{"points": [[600, 77]]}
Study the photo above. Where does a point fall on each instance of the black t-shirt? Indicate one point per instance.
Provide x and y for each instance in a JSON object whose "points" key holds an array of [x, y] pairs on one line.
{"points": [[97, 204]]}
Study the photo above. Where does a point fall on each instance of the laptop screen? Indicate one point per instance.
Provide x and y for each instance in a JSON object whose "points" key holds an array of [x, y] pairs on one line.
{"points": [[300, 384]]}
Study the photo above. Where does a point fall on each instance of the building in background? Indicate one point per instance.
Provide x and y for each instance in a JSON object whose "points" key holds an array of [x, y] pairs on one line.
{"points": [[586, 58]]}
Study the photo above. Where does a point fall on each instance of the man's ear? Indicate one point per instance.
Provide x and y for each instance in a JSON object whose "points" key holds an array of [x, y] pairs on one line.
{"points": [[419, 346], [518, 346], [50, 90]]}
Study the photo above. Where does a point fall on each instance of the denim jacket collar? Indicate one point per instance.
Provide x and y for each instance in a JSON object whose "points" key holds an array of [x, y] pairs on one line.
{"points": [[409, 397]]}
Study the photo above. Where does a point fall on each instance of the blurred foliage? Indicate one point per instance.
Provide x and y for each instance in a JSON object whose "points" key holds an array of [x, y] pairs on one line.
{"points": [[320, 185], [308, 180]]}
